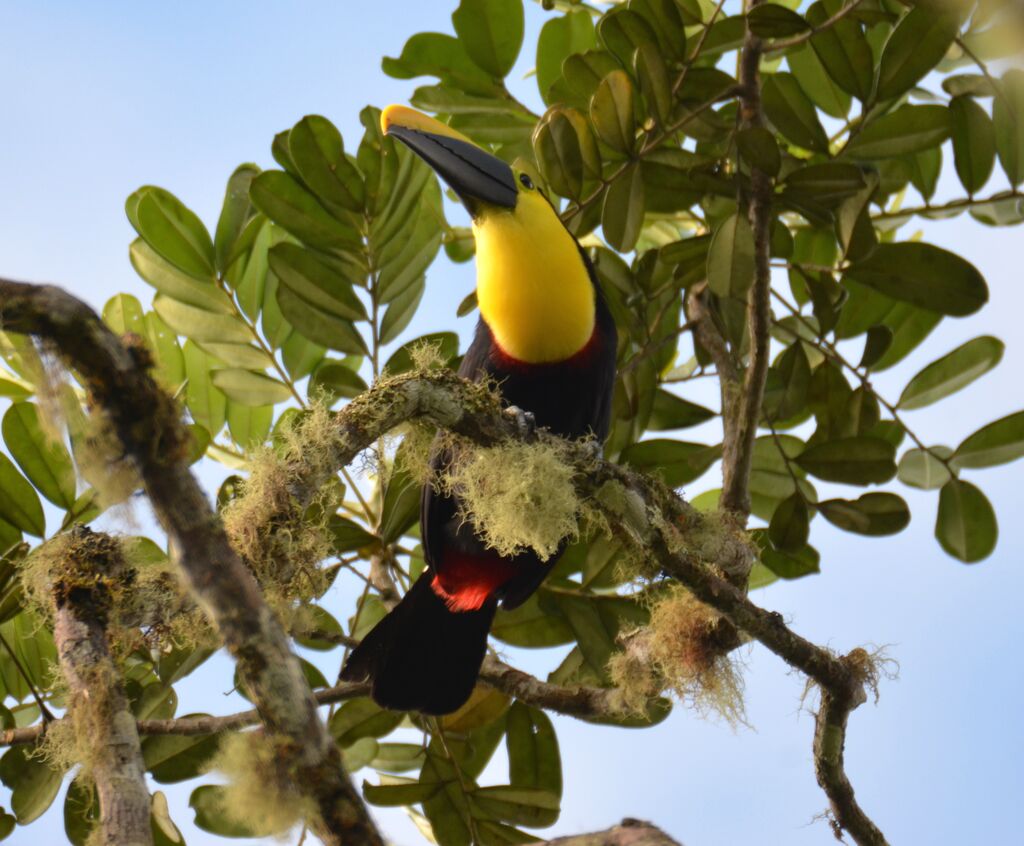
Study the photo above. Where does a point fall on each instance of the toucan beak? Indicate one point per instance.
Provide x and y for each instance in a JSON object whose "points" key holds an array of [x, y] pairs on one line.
{"points": [[478, 178]]}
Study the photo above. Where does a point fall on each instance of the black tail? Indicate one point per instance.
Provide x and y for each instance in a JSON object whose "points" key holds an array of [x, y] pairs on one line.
{"points": [[421, 656]]}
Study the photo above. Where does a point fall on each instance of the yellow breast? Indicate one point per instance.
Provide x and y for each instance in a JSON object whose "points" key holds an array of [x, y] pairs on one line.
{"points": [[532, 286]]}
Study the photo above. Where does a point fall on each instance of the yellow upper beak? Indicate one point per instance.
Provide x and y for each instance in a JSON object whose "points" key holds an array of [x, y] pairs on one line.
{"points": [[406, 118]]}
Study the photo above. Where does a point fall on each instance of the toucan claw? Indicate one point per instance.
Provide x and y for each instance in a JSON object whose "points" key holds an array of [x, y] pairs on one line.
{"points": [[526, 423]]}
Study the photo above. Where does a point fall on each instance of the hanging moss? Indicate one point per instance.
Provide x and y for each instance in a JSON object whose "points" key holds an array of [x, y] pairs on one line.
{"points": [[677, 651]]}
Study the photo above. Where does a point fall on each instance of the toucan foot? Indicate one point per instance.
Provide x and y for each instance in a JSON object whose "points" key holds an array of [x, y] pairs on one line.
{"points": [[526, 423]]}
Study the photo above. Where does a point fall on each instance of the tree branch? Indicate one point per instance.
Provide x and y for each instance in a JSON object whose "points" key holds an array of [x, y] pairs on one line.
{"points": [[98, 706], [738, 445], [829, 742], [148, 424]]}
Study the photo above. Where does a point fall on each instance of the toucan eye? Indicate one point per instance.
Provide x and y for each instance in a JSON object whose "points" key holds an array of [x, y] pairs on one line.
{"points": [[527, 182]]}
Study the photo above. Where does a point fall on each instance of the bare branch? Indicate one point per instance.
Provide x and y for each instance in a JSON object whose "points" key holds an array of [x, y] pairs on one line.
{"points": [[97, 705], [148, 424], [829, 743], [738, 445]]}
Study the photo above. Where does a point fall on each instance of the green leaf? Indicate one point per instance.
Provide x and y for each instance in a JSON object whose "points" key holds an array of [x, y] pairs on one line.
{"points": [[401, 311], [843, 50], [974, 143], [316, 149], [205, 402], [533, 624], [611, 111], [770, 20], [910, 129], [361, 718], [673, 412], [534, 760], [654, 82], [172, 230], [446, 345], [925, 168], [966, 525], [952, 372], [788, 384], [971, 84], [491, 31], [731, 257], [923, 469], [199, 324], [997, 443], [677, 462], [123, 314], [175, 283], [337, 380], [1008, 117], [877, 344], [853, 461], [556, 145], [448, 809], [249, 425], [81, 811], [790, 524], [917, 44], [44, 460], [174, 758], [248, 388], [210, 802], [925, 276], [396, 795], [757, 146], [319, 326], [281, 198], [443, 56], [33, 783], [875, 514], [623, 31], [319, 284], [622, 214], [399, 757], [787, 565], [559, 38], [817, 84], [518, 805], [793, 114], [19, 504], [237, 211]]}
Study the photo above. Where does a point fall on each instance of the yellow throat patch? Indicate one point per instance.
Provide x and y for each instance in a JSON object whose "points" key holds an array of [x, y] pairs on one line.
{"points": [[532, 286]]}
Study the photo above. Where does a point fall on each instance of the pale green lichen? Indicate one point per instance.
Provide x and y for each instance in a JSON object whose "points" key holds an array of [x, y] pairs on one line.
{"points": [[677, 652], [517, 496], [261, 794]]}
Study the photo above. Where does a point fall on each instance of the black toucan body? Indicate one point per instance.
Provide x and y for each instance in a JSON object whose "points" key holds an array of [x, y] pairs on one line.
{"points": [[547, 339]]}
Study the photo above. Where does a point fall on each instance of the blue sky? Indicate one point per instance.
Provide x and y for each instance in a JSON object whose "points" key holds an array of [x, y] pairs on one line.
{"points": [[100, 98]]}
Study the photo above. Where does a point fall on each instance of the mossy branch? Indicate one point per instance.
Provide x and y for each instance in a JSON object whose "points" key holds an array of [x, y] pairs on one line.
{"points": [[702, 552], [147, 421], [102, 726]]}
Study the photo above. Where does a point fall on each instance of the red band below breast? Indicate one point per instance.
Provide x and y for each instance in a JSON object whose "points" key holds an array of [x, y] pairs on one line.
{"points": [[465, 582]]}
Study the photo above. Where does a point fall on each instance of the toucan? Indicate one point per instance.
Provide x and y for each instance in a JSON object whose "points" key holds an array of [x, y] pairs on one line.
{"points": [[547, 339]]}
